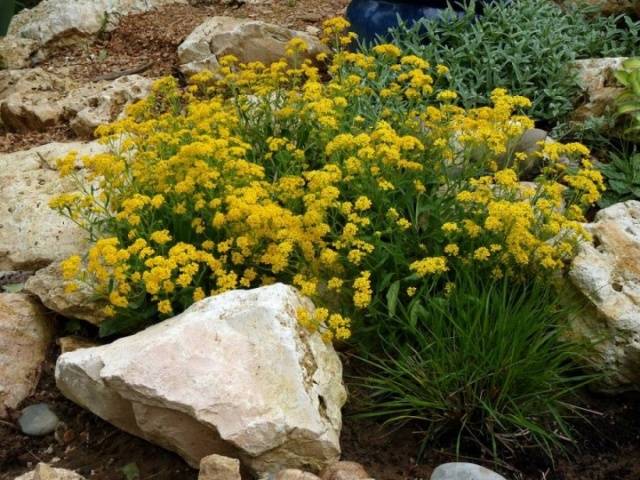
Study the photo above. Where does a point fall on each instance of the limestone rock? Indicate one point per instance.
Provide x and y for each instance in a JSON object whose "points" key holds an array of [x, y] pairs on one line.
{"points": [[101, 102], [25, 334], [249, 40], [464, 471], [32, 235], [64, 21], [31, 99], [607, 274], [234, 375], [15, 52], [49, 286], [595, 76], [344, 471], [218, 467], [45, 472], [44, 99], [295, 474]]}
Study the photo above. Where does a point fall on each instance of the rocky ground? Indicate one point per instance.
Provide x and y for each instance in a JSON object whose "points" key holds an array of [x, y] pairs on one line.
{"points": [[97, 450], [59, 91], [146, 44]]}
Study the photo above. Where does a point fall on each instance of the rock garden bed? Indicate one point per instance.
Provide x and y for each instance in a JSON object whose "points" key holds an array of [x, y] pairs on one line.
{"points": [[233, 239]]}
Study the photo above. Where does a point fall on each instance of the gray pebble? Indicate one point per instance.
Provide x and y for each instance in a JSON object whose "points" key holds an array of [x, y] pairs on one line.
{"points": [[464, 471], [38, 420]]}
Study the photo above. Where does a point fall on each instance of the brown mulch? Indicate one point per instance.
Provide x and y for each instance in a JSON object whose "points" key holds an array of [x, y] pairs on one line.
{"points": [[155, 36], [13, 142]]}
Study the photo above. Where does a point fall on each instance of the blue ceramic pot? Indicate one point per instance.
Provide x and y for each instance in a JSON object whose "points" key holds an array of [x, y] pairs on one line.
{"points": [[370, 18]]}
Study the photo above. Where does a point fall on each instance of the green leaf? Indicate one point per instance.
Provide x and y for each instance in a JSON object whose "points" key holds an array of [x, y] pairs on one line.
{"points": [[130, 471], [392, 297]]}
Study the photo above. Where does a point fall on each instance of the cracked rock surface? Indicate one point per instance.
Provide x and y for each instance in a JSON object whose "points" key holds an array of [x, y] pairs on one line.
{"points": [[233, 375], [607, 273]]}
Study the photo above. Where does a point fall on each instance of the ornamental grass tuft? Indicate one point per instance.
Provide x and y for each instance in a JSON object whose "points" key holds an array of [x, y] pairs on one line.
{"points": [[484, 364]]}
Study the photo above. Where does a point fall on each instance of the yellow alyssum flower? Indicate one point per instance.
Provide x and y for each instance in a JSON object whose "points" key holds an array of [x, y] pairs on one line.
{"points": [[362, 290], [429, 266]]}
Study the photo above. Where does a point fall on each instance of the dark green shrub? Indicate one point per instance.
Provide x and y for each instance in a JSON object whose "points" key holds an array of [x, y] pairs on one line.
{"points": [[623, 178], [485, 363], [525, 46]]}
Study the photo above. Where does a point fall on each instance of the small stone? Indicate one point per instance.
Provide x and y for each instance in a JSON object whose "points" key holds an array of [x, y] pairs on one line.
{"points": [[530, 141], [311, 30], [45, 472], [37, 420], [218, 467], [606, 275], [344, 471], [72, 343], [48, 284], [311, 17], [464, 471], [295, 474]]}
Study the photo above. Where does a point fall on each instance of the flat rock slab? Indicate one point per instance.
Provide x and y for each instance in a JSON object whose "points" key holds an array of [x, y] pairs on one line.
{"points": [[32, 235], [234, 375], [35, 99]]}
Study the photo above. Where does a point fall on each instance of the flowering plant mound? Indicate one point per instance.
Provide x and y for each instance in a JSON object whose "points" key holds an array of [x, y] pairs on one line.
{"points": [[365, 189]]}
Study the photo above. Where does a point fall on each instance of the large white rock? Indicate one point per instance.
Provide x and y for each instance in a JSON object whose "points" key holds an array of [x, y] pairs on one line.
{"points": [[25, 335], [32, 235], [65, 20], [234, 375], [249, 40], [607, 273], [34, 99]]}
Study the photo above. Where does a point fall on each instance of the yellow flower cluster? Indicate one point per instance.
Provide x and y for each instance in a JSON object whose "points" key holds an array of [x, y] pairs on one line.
{"points": [[262, 173]]}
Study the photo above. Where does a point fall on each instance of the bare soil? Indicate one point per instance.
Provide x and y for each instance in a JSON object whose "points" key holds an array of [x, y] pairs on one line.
{"points": [[155, 36]]}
